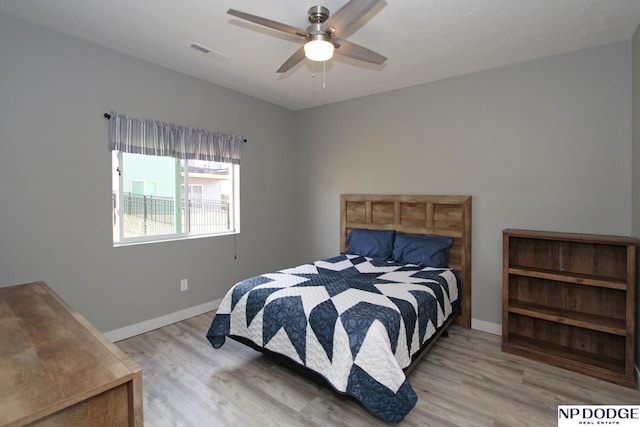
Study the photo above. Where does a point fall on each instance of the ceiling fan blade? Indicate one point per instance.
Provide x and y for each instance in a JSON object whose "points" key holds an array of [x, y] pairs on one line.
{"points": [[297, 56], [347, 15], [268, 23], [356, 51]]}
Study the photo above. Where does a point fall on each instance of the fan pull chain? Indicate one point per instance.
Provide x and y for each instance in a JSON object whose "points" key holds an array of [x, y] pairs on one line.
{"points": [[324, 74]]}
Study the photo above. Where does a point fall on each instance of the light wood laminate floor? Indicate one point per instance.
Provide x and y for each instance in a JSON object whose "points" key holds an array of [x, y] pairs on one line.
{"points": [[466, 380]]}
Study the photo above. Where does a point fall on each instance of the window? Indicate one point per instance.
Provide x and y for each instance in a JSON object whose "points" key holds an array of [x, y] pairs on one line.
{"points": [[147, 188], [195, 191], [150, 204], [150, 177]]}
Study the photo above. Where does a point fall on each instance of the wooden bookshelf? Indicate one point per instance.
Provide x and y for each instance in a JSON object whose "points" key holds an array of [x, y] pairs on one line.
{"points": [[569, 300]]}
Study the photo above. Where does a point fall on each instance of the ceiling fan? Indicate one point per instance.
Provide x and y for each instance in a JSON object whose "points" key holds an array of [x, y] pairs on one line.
{"points": [[321, 36]]}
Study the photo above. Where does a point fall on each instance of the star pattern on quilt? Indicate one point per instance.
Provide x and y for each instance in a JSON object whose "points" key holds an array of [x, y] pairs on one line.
{"points": [[332, 314]]}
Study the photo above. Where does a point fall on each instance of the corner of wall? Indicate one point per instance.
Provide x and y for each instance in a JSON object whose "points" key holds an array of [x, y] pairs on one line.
{"points": [[635, 159]]}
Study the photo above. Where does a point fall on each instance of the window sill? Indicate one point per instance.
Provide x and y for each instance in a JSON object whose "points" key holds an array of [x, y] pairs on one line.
{"points": [[172, 239]]}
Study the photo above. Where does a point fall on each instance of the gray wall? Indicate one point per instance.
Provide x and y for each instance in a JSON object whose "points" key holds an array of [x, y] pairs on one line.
{"points": [[635, 225], [55, 179], [540, 145], [544, 145]]}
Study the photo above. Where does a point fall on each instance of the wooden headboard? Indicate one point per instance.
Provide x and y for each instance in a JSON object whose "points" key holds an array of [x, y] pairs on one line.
{"points": [[417, 214]]}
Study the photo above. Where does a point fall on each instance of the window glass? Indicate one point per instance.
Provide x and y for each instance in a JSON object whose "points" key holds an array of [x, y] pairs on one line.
{"points": [[150, 203]]}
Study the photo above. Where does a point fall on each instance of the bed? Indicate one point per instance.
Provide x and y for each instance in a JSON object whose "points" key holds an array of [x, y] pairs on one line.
{"points": [[361, 320]]}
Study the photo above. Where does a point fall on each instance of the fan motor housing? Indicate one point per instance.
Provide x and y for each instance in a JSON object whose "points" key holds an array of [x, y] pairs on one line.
{"points": [[317, 14]]}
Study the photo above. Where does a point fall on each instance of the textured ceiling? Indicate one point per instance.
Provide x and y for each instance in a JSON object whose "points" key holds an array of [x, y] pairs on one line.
{"points": [[424, 40]]}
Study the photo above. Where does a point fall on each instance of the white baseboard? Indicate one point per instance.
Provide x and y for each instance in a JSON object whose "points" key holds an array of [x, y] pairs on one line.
{"points": [[168, 319], [491, 328], [159, 322]]}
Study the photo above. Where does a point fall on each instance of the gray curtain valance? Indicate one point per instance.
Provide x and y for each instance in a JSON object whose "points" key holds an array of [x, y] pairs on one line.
{"points": [[155, 138]]}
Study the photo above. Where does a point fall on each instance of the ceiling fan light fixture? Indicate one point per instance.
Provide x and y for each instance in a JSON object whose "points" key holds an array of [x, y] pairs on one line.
{"points": [[321, 38], [318, 48]]}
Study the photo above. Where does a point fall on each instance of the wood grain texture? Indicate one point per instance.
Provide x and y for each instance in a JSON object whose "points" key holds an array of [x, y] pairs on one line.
{"points": [[465, 380], [439, 215], [569, 300], [57, 369]]}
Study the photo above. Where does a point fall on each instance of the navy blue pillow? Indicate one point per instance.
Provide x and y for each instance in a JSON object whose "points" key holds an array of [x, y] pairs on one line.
{"points": [[430, 251], [377, 244]]}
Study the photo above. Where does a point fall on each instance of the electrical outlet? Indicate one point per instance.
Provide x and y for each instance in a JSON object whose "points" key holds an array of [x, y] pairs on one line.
{"points": [[184, 285]]}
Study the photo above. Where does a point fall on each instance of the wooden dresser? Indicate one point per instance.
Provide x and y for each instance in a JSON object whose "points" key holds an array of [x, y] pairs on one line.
{"points": [[569, 300], [56, 369]]}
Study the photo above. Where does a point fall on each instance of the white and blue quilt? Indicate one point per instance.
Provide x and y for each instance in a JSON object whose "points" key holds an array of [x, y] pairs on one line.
{"points": [[353, 320]]}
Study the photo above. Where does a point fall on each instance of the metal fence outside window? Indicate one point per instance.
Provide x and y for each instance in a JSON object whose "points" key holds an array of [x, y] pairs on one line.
{"points": [[146, 215]]}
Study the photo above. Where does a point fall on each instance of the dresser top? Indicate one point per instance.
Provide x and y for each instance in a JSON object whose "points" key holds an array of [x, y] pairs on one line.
{"points": [[50, 356]]}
